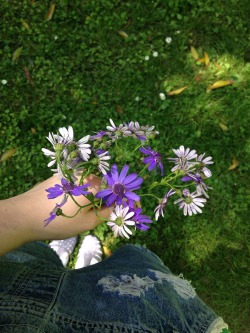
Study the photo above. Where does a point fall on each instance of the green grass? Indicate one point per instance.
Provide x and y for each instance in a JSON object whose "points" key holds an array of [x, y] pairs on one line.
{"points": [[84, 72]]}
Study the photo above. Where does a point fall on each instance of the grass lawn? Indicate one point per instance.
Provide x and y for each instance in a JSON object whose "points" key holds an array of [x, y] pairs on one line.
{"points": [[80, 63]]}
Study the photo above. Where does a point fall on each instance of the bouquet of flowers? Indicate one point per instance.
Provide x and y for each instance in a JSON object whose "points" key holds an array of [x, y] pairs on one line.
{"points": [[131, 169]]}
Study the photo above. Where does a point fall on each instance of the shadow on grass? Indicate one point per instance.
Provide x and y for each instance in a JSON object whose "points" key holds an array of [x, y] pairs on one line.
{"points": [[222, 281]]}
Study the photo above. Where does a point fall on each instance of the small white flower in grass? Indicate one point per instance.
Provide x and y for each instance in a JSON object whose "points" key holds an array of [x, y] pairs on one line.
{"points": [[137, 99], [4, 81], [119, 221], [155, 54], [190, 203], [162, 96], [55, 37], [146, 58], [168, 40]]}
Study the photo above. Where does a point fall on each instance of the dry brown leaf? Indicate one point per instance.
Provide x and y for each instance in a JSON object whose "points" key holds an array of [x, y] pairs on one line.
{"points": [[6, 155], [50, 12], [198, 78], [194, 53], [234, 164], [119, 109], [217, 65], [28, 75], [122, 33], [219, 84], [177, 92]]}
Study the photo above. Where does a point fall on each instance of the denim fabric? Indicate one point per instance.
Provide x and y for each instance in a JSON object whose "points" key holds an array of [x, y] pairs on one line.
{"points": [[130, 292]]}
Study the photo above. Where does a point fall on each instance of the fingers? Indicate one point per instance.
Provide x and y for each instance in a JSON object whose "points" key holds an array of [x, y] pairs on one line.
{"points": [[95, 183]]}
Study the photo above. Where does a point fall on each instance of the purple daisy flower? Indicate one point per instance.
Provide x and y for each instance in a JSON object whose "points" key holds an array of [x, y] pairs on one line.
{"points": [[67, 188], [98, 136], [201, 187], [159, 210], [141, 219], [153, 160], [55, 212], [138, 218], [120, 186]]}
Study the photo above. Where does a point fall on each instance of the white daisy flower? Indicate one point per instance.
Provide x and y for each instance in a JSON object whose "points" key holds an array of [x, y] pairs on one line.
{"points": [[182, 161], [137, 99], [84, 147], [203, 163], [190, 203], [146, 58], [51, 154], [119, 219], [103, 157], [67, 134], [155, 54], [55, 139], [4, 82], [121, 129]]}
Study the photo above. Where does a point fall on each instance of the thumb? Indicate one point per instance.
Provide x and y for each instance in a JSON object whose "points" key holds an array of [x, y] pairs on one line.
{"points": [[96, 217]]}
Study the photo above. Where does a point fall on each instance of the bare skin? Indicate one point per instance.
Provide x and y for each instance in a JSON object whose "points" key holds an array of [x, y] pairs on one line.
{"points": [[21, 217]]}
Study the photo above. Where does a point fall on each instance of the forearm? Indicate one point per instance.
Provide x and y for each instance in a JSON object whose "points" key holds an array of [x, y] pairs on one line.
{"points": [[22, 217]]}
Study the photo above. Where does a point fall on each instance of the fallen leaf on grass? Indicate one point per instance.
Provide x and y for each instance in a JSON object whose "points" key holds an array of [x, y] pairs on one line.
{"points": [[234, 164], [177, 92], [223, 127], [107, 251], [28, 75], [25, 24], [119, 109], [198, 78], [17, 53], [33, 130], [217, 65], [122, 33], [219, 84], [205, 59], [50, 12], [6, 155], [194, 53]]}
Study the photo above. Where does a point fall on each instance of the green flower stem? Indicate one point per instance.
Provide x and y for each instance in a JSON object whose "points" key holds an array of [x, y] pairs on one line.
{"points": [[146, 166], [149, 195], [70, 217]]}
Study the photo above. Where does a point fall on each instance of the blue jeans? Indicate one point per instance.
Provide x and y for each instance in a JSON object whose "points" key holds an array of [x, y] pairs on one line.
{"points": [[131, 291]]}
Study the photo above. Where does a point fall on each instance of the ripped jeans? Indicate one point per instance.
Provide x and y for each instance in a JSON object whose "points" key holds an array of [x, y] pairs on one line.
{"points": [[130, 292]]}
